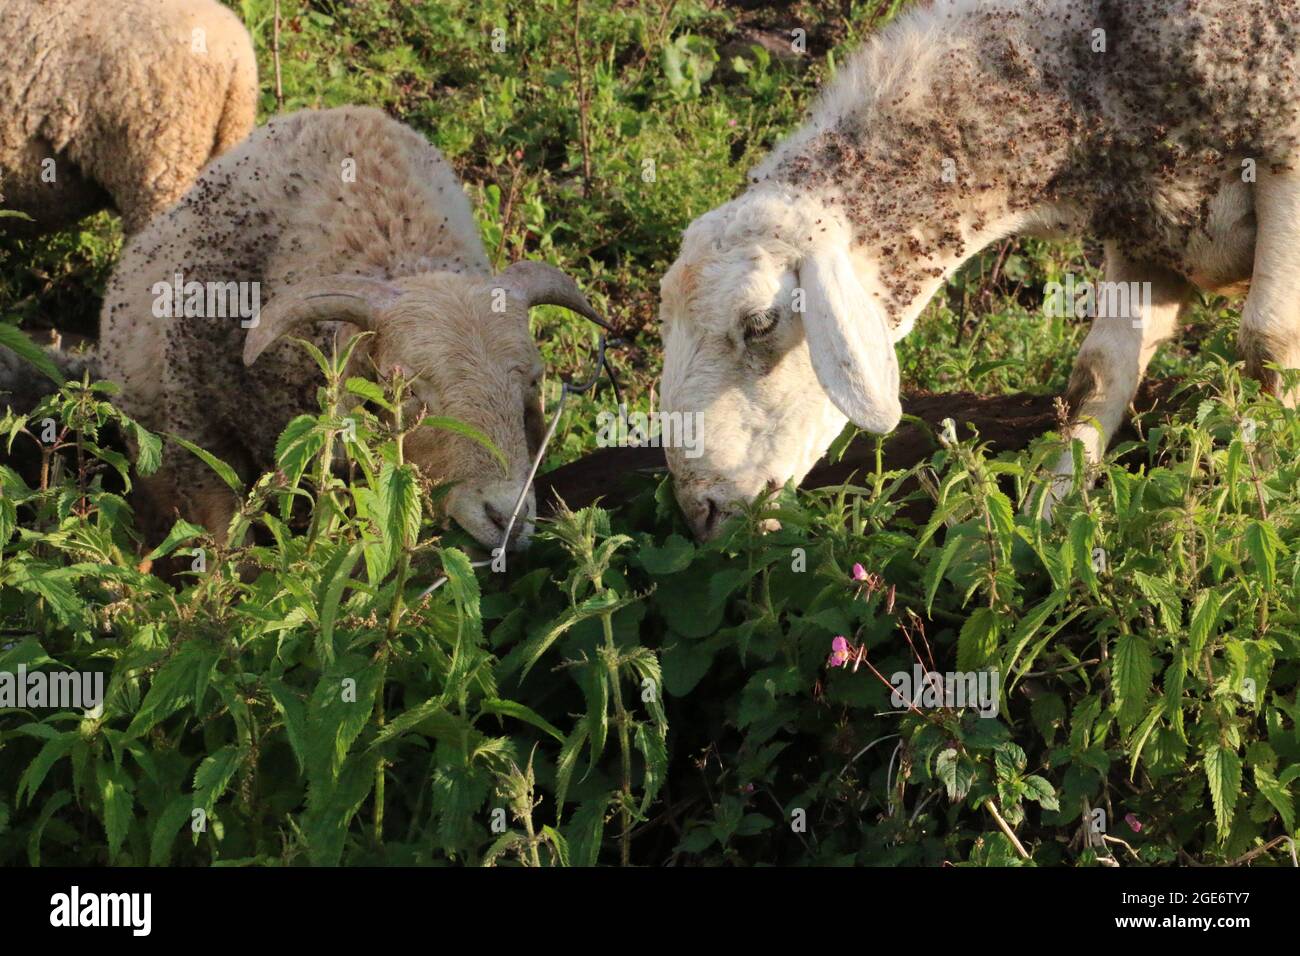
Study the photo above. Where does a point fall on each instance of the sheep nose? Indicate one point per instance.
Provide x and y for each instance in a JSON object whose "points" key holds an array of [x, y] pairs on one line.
{"points": [[494, 516], [708, 518]]}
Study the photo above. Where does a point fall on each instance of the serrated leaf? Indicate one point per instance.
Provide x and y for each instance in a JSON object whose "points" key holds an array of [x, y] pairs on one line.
{"points": [[1131, 671], [222, 470], [1223, 771], [1278, 795], [977, 644], [115, 796]]}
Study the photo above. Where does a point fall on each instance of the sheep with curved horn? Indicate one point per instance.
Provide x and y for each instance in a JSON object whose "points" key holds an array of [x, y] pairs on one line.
{"points": [[324, 223]]}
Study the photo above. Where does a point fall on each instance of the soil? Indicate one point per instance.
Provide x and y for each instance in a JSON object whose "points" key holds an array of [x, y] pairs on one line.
{"points": [[1006, 422]]}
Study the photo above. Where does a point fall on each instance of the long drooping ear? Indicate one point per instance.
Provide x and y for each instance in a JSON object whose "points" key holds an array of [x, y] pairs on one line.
{"points": [[536, 283], [335, 298], [851, 345]]}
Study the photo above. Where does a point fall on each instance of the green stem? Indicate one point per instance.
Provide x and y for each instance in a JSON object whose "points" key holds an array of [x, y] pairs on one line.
{"points": [[621, 719]]}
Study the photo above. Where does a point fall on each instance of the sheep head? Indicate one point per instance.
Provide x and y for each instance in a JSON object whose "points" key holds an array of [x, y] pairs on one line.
{"points": [[464, 343], [772, 342]]}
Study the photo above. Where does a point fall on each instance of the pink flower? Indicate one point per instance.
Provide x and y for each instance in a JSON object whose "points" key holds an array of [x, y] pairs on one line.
{"points": [[839, 653], [859, 573], [1133, 822]]}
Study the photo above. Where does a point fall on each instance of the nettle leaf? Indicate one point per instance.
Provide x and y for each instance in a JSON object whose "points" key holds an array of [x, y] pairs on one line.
{"points": [[1276, 794], [977, 644], [466, 431], [293, 711], [1263, 544], [167, 826], [181, 532], [603, 602], [16, 340], [595, 690], [54, 750], [399, 489], [335, 578], [174, 685], [339, 710], [297, 445], [462, 584], [650, 741], [1223, 771], [1131, 671], [370, 391], [332, 805], [1082, 539], [223, 470], [1164, 596], [1205, 621], [214, 774], [1003, 516], [510, 708], [567, 762], [148, 456], [115, 787]]}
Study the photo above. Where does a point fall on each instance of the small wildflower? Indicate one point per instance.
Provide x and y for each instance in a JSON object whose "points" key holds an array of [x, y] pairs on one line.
{"points": [[839, 652], [1133, 822], [859, 573]]}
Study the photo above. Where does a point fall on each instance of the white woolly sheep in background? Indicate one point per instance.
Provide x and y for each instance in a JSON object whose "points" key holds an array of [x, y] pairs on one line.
{"points": [[116, 103], [340, 220], [1170, 129]]}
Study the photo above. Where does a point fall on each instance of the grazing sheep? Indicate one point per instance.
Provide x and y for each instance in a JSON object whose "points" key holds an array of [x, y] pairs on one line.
{"points": [[116, 103], [1169, 129], [341, 220]]}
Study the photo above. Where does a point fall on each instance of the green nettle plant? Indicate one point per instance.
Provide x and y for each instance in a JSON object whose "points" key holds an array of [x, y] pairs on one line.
{"points": [[627, 696], [336, 679]]}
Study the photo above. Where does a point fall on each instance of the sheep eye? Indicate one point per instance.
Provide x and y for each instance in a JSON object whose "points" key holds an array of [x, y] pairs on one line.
{"points": [[759, 324]]}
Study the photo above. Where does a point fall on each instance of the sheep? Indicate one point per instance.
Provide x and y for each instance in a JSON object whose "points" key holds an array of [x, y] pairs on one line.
{"points": [[116, 103], [1168, 129], [324, 224]]}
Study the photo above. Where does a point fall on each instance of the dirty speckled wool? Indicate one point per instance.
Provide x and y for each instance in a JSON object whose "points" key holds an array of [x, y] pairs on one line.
{"points": [[342, 218], [130, 98], [1169, 129], [1134, 143]]}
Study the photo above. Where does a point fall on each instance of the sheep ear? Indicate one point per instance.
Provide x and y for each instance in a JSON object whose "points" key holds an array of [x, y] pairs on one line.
{"points": [[850, 343], [537, 283], [354, 299]]}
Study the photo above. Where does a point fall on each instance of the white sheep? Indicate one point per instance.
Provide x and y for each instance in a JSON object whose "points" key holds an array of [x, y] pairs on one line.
{"points": [[1170, 129], [116, 102], [322, 224]]}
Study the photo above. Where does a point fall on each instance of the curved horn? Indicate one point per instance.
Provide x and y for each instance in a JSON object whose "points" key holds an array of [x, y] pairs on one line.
{"points": [[537, 283], [337, 298]]}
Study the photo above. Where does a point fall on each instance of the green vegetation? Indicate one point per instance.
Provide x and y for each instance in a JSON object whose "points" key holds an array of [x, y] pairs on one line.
{"points": [[622, 694]]}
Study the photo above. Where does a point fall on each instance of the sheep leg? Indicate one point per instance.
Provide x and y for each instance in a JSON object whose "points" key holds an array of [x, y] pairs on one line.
{"points": [[1137, 309], [1270, 321]]}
